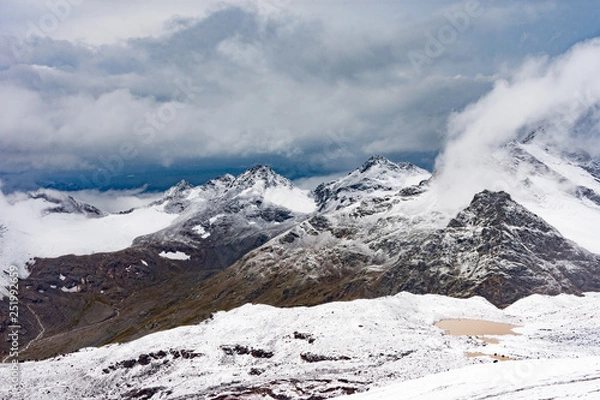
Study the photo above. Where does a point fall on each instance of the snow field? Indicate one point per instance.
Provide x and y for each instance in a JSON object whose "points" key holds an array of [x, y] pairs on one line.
{"points": [[368, 343]]}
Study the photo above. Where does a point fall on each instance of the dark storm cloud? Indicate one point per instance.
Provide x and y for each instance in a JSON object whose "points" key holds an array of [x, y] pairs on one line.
{"points": [[238, 82]]}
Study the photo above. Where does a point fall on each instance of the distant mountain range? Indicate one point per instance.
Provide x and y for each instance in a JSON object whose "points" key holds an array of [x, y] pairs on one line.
{"points": [[256, 238]]}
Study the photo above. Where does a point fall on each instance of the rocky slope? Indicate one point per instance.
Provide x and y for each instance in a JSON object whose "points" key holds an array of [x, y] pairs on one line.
{"points": [[78, 301], [497, 249], [494, 248]]}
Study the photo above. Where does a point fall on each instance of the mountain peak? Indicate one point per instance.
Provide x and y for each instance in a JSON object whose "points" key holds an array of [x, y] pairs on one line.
{"points": [[261, 169], [377, 177], [220, 181], [178, 189], [182, 185], [262, 174], [488, 195], [498, 249], [385, 164], [378, 160], [66, 204], [495, 209], [534, 134]]}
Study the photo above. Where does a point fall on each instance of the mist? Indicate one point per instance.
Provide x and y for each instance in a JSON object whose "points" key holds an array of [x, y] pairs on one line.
{"points": [[558, 96]]}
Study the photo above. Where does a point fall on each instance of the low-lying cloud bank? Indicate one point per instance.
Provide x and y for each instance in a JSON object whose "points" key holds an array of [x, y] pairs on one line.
{"points": [[27, 230]]}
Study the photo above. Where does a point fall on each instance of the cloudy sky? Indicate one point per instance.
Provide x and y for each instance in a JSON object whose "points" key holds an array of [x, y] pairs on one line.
{"points": [[106, 93]]}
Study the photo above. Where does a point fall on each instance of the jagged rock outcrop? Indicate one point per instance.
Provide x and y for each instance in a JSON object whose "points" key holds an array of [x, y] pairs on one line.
{"points": [[66, 204]]}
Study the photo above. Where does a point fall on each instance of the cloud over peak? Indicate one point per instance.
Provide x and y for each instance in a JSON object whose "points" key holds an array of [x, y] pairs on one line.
{"points": [[560, 95]]}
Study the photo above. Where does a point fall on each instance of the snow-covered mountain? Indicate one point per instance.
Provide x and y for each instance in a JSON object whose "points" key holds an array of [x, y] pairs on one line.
{"points": [[497, 249], [383, 228], [376, 235], [225, 218], [561, 186], [108, 295], [378, 177], [494, 248]]}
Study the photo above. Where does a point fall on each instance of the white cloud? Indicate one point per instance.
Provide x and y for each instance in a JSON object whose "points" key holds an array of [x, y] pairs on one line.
{"points": [[88, 19], [180, 80], [31, 232], [550, 92]]}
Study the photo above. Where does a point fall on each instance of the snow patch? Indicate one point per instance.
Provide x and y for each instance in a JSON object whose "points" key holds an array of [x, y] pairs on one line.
{"points": [[199, 229], [214, 219], [366, 344], [174, 255], [526, 379], [74, 289], [293, 199]]}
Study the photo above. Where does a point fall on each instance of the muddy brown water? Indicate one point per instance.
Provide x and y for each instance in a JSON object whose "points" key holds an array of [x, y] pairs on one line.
{"points": [[475, 327], [479, 329]]}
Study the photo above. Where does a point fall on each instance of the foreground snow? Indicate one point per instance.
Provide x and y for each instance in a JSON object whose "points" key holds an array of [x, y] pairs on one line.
{"points": [[336, 349], [529, 379]]}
